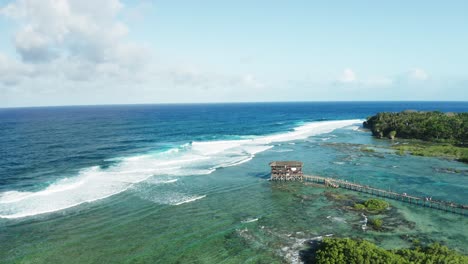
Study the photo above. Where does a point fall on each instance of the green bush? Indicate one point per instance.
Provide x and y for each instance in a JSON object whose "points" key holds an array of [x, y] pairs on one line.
{"points": [[346, 250], [376, 223], [359, 206], [376, 205], [372, 205]]}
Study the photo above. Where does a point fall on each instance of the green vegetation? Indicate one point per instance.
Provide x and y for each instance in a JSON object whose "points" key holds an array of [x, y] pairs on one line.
{"points": [[376, 205], [434, 150], [429, 126], [346, 250], [372, 205], [447, 132], [376, 223], [359, 206]]}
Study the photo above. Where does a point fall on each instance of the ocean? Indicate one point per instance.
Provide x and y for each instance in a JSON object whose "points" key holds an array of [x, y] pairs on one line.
{"points": [[189, 183]]}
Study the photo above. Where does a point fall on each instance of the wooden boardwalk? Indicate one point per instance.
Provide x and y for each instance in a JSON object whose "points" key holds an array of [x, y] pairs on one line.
{"points": [[419, 201]]}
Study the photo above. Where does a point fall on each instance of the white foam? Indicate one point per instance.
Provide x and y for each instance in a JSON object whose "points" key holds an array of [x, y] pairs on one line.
{"points": [[13, 196], [249, 220], [339, 219], [159, 180], [196, 158], [170, 181], [364, 222], [283, 150], [190, 200], [353, 127]]}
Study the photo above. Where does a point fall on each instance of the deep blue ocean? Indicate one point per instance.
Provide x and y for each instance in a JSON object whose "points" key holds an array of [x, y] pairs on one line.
{"points": [[65, 170], [43, 144]]}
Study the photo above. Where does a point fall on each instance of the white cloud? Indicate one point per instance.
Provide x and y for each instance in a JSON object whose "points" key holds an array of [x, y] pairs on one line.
{"points": [[13, 72], [186, 77], [75, 39], [249, 80], [348, 76], [75, 48], [69, 49], [418, 74], [412, 77]]}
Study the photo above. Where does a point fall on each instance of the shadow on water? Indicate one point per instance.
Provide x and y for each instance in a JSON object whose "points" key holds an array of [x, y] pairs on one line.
{"points": [[308, 255], [261, 175]]}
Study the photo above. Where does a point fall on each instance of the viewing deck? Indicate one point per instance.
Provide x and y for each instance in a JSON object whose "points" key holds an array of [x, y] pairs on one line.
{"points": [[419, 201]]}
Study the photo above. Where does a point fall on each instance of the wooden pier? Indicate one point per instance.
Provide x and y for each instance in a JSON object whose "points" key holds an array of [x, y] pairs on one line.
{"points": [[418, 201]]}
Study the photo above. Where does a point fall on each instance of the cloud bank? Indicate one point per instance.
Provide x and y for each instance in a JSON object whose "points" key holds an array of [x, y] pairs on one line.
{"points": [[414, 75], [66, 46], [83, 52], [78, 40]]}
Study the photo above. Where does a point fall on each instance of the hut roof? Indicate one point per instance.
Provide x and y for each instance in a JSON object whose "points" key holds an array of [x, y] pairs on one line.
{"points": [[286, 163]]}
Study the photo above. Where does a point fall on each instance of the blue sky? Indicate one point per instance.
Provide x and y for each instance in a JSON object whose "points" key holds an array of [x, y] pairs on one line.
{"points": [[82, 52]]}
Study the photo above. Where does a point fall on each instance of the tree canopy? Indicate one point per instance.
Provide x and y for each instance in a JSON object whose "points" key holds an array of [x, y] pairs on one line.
{"points": [[346, 250], [372, 205], [429, 126]]}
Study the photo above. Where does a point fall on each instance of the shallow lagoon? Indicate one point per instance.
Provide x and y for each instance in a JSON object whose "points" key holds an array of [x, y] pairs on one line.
{"points": [[236, 215]]}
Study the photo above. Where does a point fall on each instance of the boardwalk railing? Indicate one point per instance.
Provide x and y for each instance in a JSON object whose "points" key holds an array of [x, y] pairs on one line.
{"points": [[419, 201]]}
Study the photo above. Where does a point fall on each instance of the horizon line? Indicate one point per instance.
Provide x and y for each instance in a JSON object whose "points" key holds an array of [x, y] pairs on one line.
{"points": [[239, 102]]}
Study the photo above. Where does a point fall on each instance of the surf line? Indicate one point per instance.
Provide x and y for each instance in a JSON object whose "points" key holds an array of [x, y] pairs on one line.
{"points": [[96, 183]]}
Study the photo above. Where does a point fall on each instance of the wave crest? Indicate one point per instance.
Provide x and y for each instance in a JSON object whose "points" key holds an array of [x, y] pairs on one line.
{"points": [[195, 158]]}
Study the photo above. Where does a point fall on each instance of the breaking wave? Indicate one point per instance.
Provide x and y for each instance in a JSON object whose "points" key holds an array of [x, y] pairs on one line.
{"points": [[196, 158]]}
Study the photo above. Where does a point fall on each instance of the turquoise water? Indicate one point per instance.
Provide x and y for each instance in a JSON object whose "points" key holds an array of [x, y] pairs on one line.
{"points": [[218, 206]]}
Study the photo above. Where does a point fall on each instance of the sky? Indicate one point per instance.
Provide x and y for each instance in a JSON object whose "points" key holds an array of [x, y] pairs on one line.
{"points": [[87, 52]]}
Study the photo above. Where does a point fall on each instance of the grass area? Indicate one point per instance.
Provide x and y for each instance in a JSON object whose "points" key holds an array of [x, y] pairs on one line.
{"points": [[433, 150]]}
